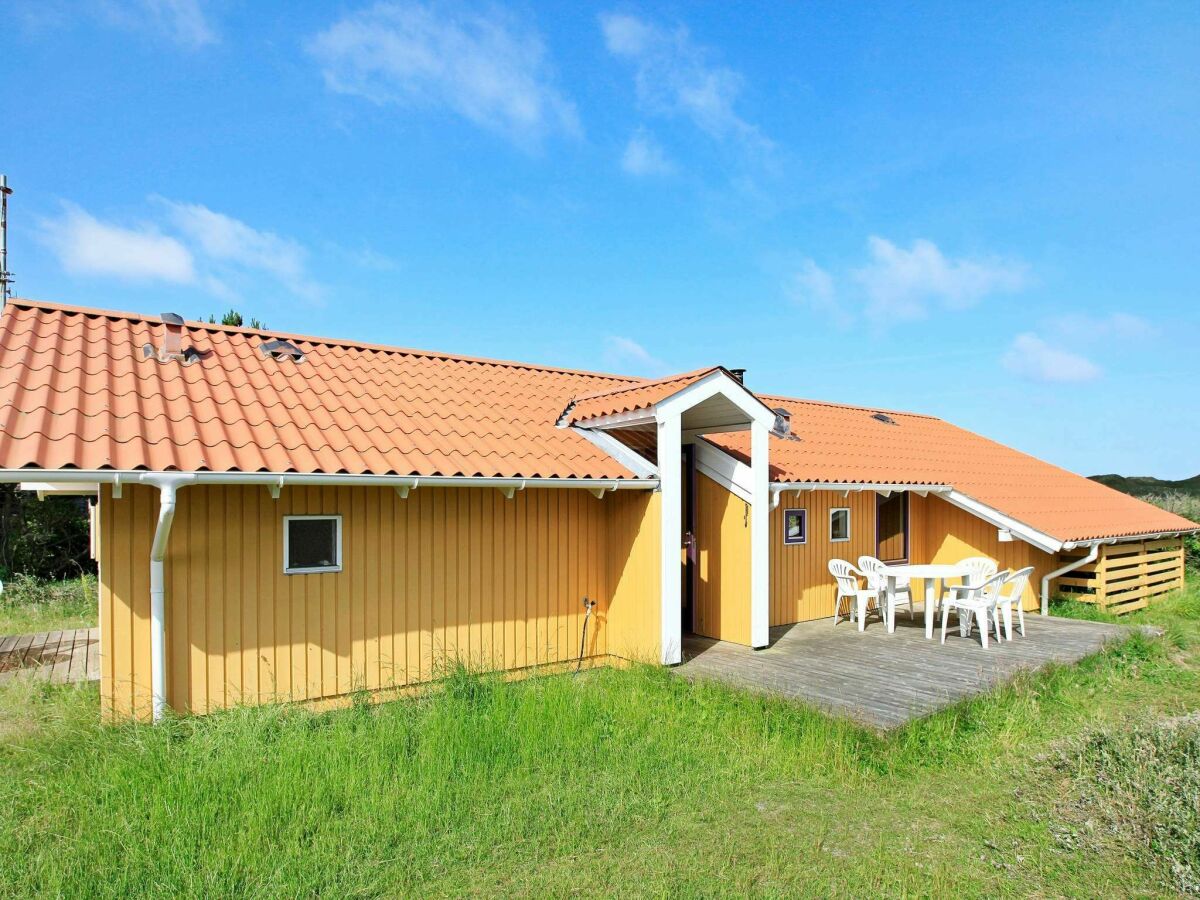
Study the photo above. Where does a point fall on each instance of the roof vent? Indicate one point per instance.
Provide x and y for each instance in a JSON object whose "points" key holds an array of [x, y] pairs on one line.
{"points": [[281, 349], [739, 375], [884, 418], [783, 421], [172, 344]]}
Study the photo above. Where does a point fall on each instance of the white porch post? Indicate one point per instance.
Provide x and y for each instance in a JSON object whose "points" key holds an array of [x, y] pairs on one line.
{"points": [[760, 541], [670, 475]]}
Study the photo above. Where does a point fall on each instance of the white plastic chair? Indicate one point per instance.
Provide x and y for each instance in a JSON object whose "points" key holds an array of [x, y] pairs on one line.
{"points": [[979, 568], [848, 588], [1012, 593], [873, 569], [975, 601]]}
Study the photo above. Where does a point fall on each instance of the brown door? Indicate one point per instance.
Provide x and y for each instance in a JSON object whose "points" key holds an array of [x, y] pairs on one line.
{"points": [[891, 527]]}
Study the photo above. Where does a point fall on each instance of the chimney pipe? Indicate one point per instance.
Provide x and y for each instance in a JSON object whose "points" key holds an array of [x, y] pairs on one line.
{"points": [[172, 345]]}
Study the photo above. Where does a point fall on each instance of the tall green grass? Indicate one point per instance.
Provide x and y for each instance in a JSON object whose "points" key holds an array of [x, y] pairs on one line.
{"points": [[613, 782], [30, 604]]}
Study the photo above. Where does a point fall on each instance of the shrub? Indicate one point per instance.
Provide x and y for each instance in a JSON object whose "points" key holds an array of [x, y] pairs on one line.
{"points": [[43, 538], [1137, 788]]}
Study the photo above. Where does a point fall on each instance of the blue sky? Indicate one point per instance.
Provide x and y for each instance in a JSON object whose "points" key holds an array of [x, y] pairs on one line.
{"points": [[990, 213]]}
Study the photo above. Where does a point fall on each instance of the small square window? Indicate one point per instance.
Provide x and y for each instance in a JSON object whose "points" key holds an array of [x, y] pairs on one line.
{"points": [[839, 525], [795, 526], [312, 544]]}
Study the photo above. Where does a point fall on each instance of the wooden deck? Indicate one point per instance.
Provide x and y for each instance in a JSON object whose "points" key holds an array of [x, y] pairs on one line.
{"points": [[885, 680], [60, 656]]}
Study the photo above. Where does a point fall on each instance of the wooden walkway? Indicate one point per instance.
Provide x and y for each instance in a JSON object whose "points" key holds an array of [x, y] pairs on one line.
{"points": [[885, 680], [60, 656]]}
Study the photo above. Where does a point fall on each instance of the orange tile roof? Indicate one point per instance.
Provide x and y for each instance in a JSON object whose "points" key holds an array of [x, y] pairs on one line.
{"points": [[632, 397], [76, 392], [835, 443]]}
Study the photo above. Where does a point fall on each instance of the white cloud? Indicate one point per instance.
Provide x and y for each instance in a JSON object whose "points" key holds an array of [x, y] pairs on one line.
{"points": [[87, 246], [1089, 328], [181, 21], [230, 241], [188, 244], [674, 77], [644, 156], [901, 284], [623, 352], [485, 66], [1032, 358], [812, 287]]}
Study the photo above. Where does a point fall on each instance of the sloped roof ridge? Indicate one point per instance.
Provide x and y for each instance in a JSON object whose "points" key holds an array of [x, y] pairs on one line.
{"points": [[652, 382], [27, 303]]}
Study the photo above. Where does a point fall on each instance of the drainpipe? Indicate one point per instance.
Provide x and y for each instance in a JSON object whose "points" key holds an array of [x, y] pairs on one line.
{"points": [[1069, 567], [167, 486]]}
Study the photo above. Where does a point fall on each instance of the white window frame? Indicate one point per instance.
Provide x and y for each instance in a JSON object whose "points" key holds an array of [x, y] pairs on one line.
{"points": [[337, 542], [803, 510], [849, 527]]}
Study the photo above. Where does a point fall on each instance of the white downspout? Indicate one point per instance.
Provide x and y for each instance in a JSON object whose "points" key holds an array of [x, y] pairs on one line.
{"points": [[167, 486], [1069, 567]]}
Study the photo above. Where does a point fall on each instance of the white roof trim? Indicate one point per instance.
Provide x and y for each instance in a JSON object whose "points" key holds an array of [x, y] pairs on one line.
{"points": [[619, 420], [880, 486], [1029, 535], [626, 456], [733, 475], [282, 479], [711, 385]]}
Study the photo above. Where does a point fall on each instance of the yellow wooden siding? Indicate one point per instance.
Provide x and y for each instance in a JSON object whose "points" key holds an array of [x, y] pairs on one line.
{"points": [[801, 586], [722, 598], [943, 533], [633, 617], [446, 574]]}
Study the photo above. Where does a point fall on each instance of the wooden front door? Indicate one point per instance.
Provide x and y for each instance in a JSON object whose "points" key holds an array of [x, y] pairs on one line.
{"points": [[891, 527]]}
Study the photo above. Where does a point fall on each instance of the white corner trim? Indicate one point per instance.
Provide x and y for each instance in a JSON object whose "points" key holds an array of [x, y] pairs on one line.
{"points": [[1029, 535], [629, 458], [732, 474]]}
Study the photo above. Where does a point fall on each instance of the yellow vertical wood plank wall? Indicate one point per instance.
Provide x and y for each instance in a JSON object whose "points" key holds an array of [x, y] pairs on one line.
{"points": [[633, 617], [943, 533], [721, 604], [449, 573], [802, 588]]}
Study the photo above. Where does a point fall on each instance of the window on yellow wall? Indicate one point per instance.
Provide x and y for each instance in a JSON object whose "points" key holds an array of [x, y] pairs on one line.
{"points": [[312, 544], [839, 524]]}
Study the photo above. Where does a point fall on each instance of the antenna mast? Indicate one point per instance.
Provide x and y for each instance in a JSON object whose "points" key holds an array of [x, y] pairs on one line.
{"points": [[5, 275]]}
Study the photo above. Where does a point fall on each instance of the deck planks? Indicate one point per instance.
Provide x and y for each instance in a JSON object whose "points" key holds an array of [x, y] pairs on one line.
{"points": [[62, 657], [885, 680]]}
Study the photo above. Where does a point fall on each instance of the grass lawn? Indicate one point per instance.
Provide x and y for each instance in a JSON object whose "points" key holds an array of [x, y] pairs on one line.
{"points": [[31, 605], [620, 782]]}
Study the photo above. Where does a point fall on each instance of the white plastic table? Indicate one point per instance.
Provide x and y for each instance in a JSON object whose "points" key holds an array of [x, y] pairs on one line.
{"points": [[929, 573]]}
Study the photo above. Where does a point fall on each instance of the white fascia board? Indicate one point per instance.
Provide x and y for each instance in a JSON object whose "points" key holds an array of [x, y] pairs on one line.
{"points": [[619, 420], [732, 474], [709, 386], [80, 489], [283, 479], [626, 456], [1029, 535], [1128, 538], [781, 486]]}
